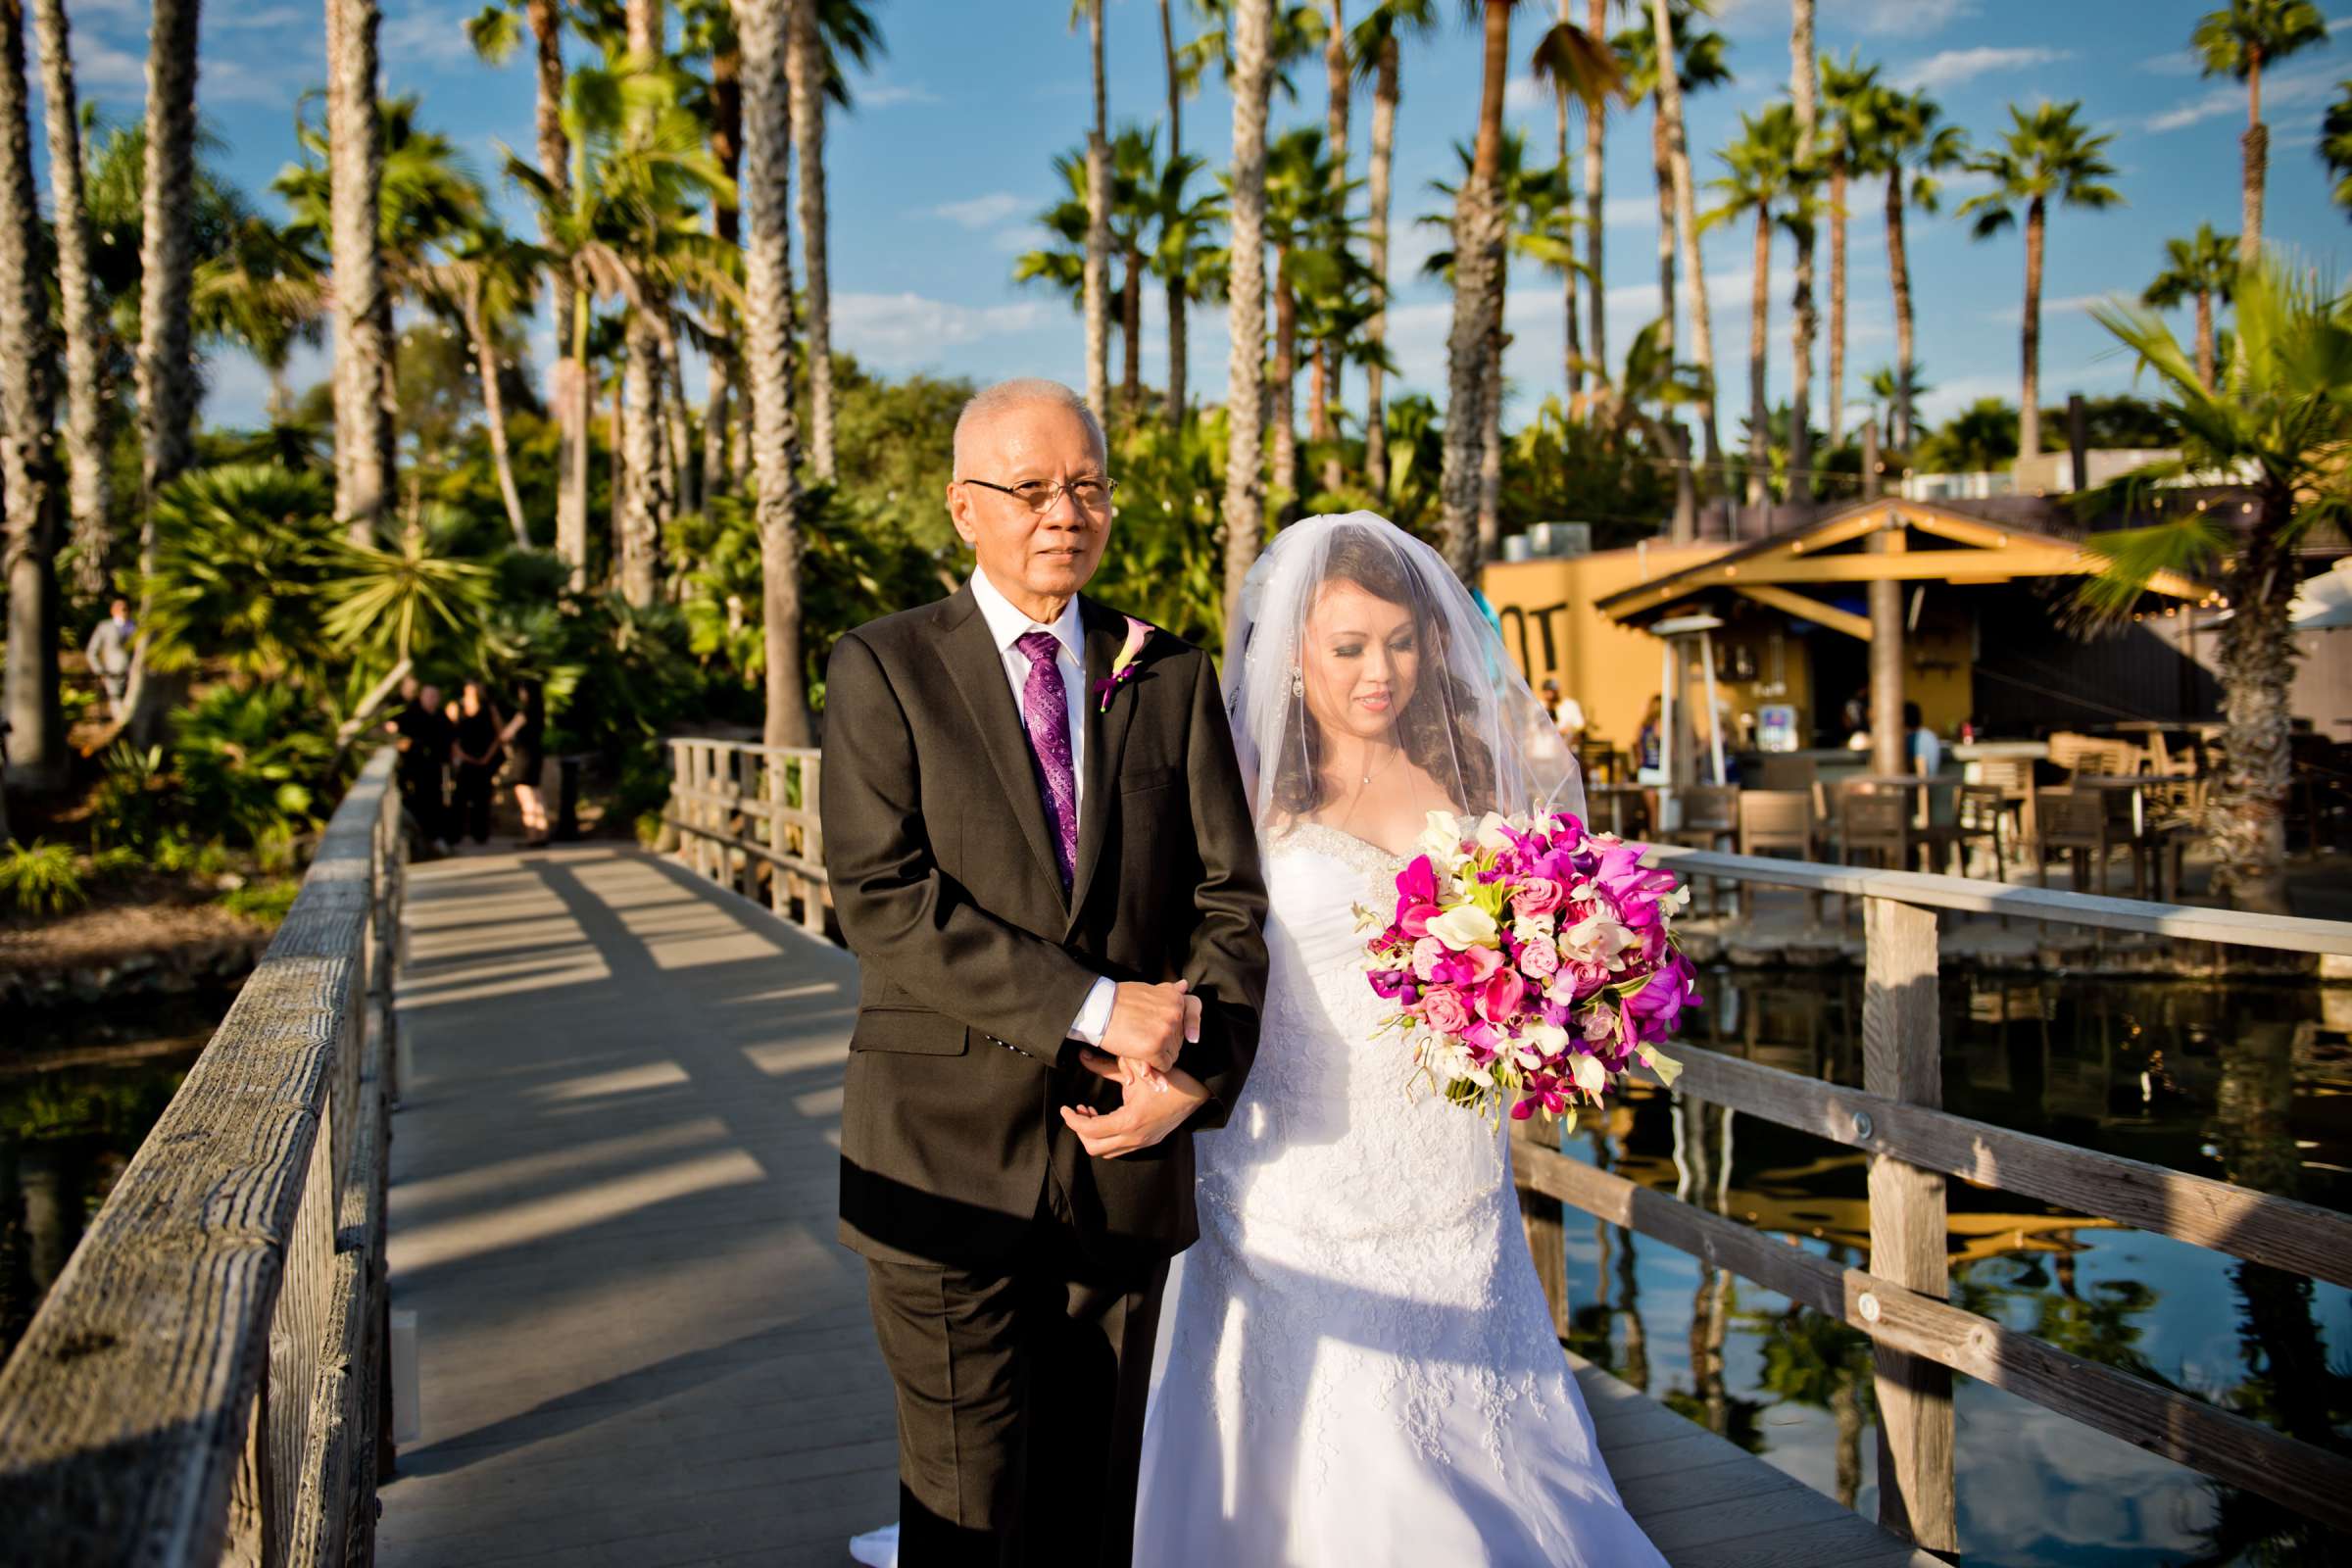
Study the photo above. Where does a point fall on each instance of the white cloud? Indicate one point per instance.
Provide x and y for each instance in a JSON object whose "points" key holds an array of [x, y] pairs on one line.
{"points": [[907, 331], [1525, 94], [984, 212], [1912, 18], [877, 94], [2064, 305], [253, 18], [2302, 83], [427, 37], [1953, 67]]}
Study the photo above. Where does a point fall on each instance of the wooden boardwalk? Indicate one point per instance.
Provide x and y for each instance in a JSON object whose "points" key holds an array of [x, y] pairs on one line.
{"points": [[611, 1211]]}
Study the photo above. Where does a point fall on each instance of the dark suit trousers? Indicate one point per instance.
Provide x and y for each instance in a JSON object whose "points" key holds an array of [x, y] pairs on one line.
{"points": [[1020, 1396]]}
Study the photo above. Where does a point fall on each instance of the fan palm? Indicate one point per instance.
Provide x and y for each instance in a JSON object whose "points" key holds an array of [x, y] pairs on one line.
{"points": [[1907, 143], [240, 555], [1184, 260], [2202, 268], [1134, 197], [2335, 143], [1307, 224], [1891, 390], [1580, 66], [1765, 179], [2279, 415], [403, 599], [2238, 40], [1639, 399], [2046, 156]]}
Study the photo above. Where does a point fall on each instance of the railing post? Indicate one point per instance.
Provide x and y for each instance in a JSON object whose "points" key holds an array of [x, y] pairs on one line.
{"points": [[813, 893], [1902, 1059], [779, 837], [1543, 1218]]}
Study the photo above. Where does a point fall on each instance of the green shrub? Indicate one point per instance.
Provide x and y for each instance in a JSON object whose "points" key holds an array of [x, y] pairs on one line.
{"points": [[41, 877], [127, 808], [175, 852], [264, 903], [248, 762]]}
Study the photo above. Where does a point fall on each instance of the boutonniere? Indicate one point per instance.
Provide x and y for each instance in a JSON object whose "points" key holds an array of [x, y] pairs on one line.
{"points": [[1123, 668]]}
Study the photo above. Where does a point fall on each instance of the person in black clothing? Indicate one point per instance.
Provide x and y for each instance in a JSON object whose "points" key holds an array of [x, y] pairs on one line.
{"points": [[477, 753], [525, 736], [422, 740]]}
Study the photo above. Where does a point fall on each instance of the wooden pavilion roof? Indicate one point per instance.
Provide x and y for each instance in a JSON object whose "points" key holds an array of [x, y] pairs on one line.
{"points": [[1839, 548]]}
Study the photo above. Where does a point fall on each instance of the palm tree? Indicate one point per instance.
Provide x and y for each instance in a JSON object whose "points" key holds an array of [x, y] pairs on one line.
{"points": [[264, 289], [1174, 271], [1305, 223], [1765, 179], [824, 32], [29, 478], [1098, 218], [1134, 207], [91, 497], [2046, 154], [1474, 345], [1638, 398], [1596, 25], [2238, 40], [1802, 88], [1579, 64], [1181, 255], [1852, 94], [1909, 145], [1700, 65], [2279, 415], [769, 354], [496, 35], [1377, 48], [489, 281], [2335, 143], [2202, 268], [1685, 220], [1890, 391], [1245, 386], [1324, 387], [362, 346]]}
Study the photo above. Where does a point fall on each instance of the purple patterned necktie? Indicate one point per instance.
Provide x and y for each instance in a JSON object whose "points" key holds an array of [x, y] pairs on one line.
{"points": [[1045, 713]]}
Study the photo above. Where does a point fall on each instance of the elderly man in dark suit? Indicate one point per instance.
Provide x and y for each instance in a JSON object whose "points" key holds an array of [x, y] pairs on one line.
{"points": [[1042, 853]]}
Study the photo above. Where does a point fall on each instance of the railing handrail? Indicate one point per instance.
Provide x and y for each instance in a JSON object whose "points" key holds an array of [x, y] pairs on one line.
{"points": [[200, 1380], [2280, 933]]}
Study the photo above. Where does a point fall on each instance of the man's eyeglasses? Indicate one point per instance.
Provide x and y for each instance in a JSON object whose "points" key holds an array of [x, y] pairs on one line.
{"points": [[1090, 496]]}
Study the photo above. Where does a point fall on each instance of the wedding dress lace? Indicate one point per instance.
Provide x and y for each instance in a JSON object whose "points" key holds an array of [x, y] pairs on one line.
{"points": [[1356, 1362]]}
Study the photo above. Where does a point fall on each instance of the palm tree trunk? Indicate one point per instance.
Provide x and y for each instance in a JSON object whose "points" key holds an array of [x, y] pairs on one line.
{"points": [[1473, 352], [355, 164], [1327, 366], [1596, 23], [165, 376], [685, 485], [1131, 330], [2255, 147], [1244, 506], [2247, 820], [1759, 310], [1489, 435], [1285, 389], [726, 145], [28, 478], [2029, 413], [494, 411], [1835, 398], [1098, 229], [643, 505], [1685, 220], [1384, 152], [2205, 338], [1178, 392], [1800, 387], [1898, 270], [90, 499], [566, 390], [768, 355], [1572, 338], [807, 70], [1661, 166]]}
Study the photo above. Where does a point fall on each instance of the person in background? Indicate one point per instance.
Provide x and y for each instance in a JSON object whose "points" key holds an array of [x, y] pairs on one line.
{"points": [[108, 652], [1648, 747], [1921, 744], [525, 738], [1567, 714], [423, 741], [476, 752]]}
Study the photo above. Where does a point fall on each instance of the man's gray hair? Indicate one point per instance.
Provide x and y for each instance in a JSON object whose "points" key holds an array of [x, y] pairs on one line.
{"points": [[1021, 392]]}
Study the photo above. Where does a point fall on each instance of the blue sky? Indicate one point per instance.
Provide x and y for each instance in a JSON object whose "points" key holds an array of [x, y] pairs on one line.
{"points": [[935, 175]]}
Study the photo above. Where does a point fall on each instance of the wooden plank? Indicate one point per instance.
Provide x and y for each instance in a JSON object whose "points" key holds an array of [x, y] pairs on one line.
{"points": [[126, 1407], [2215, 1442], [1901, 1061], [1805, 608], [2276, 933], [2281, 1232]]}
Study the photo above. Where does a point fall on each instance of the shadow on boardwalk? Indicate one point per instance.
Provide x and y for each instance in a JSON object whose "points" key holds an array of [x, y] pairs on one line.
{"points": [[614, 1187]]}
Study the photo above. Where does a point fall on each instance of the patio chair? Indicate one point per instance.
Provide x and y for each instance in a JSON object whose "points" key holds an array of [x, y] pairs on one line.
{"points": [[1773, 820], [1710, 821], [2074, 823], [1778, 772]]}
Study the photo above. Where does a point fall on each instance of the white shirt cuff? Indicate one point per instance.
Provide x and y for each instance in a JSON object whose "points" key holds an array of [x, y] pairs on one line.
{"points": [[1093, 1017]]}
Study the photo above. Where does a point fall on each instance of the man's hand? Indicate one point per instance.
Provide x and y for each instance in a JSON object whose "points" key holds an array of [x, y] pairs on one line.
{"points": [[1150, 1108], [1151, 1024]]}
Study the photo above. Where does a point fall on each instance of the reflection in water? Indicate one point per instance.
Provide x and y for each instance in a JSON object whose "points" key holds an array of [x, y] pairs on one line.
{"points": [[2251, 1084], [76, 1097]]}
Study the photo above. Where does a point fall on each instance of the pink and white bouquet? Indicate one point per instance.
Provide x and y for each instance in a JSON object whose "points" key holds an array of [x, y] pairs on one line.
{"points": [[1530, 963]]}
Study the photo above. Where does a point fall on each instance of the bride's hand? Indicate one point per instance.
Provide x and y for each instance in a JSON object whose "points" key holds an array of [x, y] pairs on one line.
{"points": [[1152, 1107]]}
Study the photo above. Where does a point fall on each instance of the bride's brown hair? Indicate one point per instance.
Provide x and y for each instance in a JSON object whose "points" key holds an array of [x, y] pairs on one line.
{"points": [[1434, 727]]}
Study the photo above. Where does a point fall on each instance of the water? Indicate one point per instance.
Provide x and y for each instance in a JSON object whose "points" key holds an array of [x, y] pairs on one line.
{"points": [[2248, 1084], [78, 1092]]}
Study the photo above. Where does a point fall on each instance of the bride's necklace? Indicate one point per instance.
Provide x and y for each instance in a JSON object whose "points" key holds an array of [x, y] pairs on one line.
{"points": [[1395, 751]]}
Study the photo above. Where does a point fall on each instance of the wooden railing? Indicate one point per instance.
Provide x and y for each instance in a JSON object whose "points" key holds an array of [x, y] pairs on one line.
{"points": [[206, 1380], [1919, 1338], [746, 816]]}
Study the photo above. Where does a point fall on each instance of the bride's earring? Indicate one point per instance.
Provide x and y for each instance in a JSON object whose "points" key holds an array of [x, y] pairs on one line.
{"points": [[1297, 683]]}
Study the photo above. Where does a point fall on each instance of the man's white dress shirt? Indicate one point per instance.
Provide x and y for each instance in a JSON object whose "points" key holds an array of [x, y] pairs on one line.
{"points": [[1008, 626]]}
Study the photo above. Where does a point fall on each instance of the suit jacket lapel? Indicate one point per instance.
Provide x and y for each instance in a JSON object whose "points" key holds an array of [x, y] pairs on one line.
{"points": [[978, 671], [1105, 741]]}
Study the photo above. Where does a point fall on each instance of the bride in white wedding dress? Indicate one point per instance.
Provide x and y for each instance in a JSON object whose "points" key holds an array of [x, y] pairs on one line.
{"points": [[1356, 1362], [1356, 1365]]}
